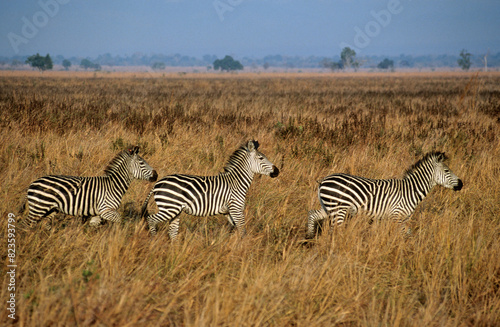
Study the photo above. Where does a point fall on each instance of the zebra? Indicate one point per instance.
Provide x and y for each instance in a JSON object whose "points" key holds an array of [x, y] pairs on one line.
{"points": [[96, 197], [342, 194], [224, 193]]}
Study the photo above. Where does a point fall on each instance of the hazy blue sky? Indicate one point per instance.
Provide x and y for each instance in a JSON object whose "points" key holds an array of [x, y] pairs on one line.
{"points": [[248, 27]]}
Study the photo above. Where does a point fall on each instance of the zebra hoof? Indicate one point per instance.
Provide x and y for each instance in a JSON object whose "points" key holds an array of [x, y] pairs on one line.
{"points": [[95, 222], [407, 232]]}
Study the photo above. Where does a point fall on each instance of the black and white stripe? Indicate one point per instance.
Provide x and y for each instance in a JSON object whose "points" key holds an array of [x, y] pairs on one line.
{"points": [[96, 197], [341, 194], [224, 193]]}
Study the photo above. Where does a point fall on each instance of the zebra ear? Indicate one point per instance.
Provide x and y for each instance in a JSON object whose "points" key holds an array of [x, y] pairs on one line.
{"points": [[253, 145], [441, 156], [134, 150]]}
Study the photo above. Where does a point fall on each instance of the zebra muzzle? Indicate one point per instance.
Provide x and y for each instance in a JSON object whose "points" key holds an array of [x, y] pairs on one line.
{"points": [[154, 177], [275, 172], [459, 186]]}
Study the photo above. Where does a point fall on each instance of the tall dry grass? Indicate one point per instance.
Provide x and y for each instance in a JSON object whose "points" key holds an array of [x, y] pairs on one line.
{"points": [[446, 274]]}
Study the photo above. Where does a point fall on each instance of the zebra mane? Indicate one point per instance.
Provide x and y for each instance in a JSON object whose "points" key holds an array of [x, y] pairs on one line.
{"points": [[430, 156], [119, 159], [237, 156]]}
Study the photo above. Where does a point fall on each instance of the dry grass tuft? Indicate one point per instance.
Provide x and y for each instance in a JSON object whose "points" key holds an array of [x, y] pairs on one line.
{"points": [[374, 125]]}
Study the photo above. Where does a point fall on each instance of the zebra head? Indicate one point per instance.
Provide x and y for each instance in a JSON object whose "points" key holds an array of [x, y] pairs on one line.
{"points": [[443, 175], [139, 168], [258, 162]]}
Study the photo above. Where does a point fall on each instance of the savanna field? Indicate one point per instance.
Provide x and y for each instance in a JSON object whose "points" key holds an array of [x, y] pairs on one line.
{"points": [[447, 273]]}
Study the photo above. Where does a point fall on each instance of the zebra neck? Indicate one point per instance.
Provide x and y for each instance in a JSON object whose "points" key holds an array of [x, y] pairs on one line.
{"points": [[241, 177], [419, 185], [118, 174], [120, 182]]}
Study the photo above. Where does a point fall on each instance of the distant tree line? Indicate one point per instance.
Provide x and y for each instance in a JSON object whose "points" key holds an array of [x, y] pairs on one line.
{"points": [[343, 60]]}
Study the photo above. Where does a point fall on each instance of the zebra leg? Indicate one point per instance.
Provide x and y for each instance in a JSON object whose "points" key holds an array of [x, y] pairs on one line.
{"points": [[238, 218], [111, 215], [152, 222], [50, 220], [405, 230], [340, 215], [171, 214], [173, 228], [232, 225], [313, 218], [37, 213], [31, 220]]}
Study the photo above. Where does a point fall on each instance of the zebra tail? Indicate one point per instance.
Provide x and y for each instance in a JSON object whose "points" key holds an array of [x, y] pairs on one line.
{"points": [[144, 210], [321, 201], [22, 207]]}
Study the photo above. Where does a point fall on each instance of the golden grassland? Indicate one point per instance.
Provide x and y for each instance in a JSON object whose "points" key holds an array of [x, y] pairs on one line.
{"points": [[375, 125]]}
